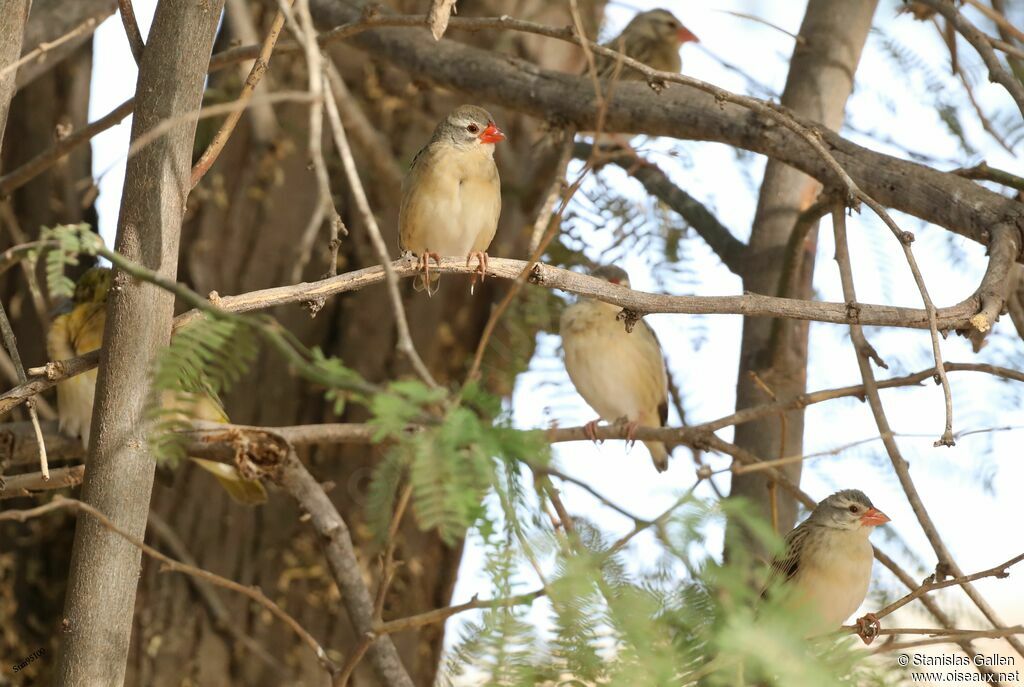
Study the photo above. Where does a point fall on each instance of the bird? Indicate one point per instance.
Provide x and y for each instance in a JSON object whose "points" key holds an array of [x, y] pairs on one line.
{"points": [[826, 567], [620, 374], [79, 330], [451, 197], [653, 38]]}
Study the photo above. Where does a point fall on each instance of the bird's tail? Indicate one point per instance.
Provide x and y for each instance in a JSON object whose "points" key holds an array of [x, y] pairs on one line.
{"points": [[659, 454], [420, 283]]}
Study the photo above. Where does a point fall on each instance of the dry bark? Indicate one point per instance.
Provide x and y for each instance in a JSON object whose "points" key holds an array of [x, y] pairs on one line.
{"points": [[100, 603], [820, 81]]}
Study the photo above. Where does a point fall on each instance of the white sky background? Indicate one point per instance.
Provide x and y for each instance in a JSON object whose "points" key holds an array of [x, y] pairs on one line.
{"points": [[972, 491]]}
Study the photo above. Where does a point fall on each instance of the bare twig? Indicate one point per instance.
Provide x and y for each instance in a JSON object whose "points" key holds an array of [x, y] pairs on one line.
{"points": [[441, 614], [405, 344], [999, 571], [254, 593], [983, 171], [345, 569], [982, 44], [259, 68], [14, 486], [862, 348], [40, 51], [131, 29], [954, 638], [11, 344]]}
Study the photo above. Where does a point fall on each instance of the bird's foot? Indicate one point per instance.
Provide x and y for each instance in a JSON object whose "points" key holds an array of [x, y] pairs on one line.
{"points": [[590, 430], [868, 626], [423, 265], [630, 427], [481, 267]]}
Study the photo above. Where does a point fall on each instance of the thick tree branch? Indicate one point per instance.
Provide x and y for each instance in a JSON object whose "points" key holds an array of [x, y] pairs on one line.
{"points": [[131, 29], [13, 14], [341, 557], [752, 305], [730, 250], [679, 111]]}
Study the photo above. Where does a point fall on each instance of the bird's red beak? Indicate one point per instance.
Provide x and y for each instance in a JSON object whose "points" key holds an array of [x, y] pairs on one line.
{"points": [[492, 134], [873, 517], [686, 36]]}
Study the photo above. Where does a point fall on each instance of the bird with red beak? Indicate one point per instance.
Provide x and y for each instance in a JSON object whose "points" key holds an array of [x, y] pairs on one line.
{"points": [[654, 38], [826, 568], [451, 198]]}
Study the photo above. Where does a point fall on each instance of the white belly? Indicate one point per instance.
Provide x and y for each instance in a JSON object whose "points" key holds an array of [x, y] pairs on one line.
{"points": [[618, 374], [836, 586]]}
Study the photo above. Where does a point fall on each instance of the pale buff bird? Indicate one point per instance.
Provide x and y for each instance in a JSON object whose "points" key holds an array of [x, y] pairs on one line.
{"points": [[620, 374], [826, 568], [79, 331], [451, 198], [654, 38]]}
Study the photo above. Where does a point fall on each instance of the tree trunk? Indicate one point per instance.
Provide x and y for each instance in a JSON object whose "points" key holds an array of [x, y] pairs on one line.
{"points": [[100, 603], [35, 556], [774, 352], [244, 226]]}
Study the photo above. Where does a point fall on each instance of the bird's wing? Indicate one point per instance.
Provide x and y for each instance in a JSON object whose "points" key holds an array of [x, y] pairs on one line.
{"points": [[786, 566], [646, 332]]}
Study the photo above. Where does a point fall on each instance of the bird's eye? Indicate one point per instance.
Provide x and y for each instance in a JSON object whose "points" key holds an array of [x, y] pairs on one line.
{"points": [[473, 128], [673, 25], [854, 509]]}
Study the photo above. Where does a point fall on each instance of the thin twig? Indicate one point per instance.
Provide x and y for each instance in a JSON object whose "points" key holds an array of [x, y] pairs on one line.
{"points": [[405, 343], [1006, 633], [39, 52], [862, 351], [441, 614], [387, 565], [11, 344], [999, 571], [259, 68], [131, 29], [981, 43], [254, 593]]}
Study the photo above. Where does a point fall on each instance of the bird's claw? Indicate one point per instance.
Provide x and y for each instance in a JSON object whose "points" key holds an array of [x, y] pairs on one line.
{"points": [[481, 268], [423, 265], [590, 430], [868, 627]]}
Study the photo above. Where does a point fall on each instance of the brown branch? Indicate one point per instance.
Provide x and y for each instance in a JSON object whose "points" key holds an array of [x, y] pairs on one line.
{"points": [[131, 29], [40, 52], [256, 72], [910, 187], [441, 614], [405, 343], [345, 569], [20, 176], [952, 637], [14, 486], [1000, 20], [999, 571], [17, 444], [983, 171], [862, 348], [172, 565], [982, 44], [11, 344]]}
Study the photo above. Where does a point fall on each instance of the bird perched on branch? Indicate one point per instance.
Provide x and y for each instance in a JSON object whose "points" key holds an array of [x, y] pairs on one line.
{"points": [[620, 374], [826, 567], [78, 331], [451, 198], [654, 38]]}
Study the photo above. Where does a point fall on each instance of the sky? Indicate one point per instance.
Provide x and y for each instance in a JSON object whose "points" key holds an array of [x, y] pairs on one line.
{"points": [[972, 491]]}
